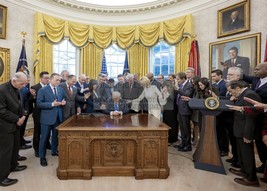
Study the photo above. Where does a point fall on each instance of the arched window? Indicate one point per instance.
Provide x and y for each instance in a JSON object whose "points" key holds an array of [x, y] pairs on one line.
{"points": [[115, 58], [162, 59], [65, 58]]}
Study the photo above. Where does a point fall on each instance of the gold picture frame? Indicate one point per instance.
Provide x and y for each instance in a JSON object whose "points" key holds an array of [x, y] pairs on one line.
{"points": [[3, 20], [4, 65], [234, 19], [247, 48]]}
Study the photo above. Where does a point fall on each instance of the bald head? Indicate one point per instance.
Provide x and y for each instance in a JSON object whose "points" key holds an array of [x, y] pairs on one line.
{"points": [[261, 70]]}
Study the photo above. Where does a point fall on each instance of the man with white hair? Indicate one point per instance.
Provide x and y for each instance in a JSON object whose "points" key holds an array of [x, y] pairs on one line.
{"points": [[11, 117], [131, 89], [116, 105]]}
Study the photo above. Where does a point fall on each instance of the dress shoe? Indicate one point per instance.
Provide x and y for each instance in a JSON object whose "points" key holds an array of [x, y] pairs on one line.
{"points": [[263, 180], [185, 149], [260, 169], [235, 165], [237, 172], [8, 182], [223, 153], [36, 153], [247, 182], [23, 142], [54, 154], [18, 168], [21, 158], [231, 160], [43, 162], [179, 146], [25, 147]]}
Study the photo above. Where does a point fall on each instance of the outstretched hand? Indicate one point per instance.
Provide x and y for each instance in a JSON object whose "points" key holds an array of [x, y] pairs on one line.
{"points": [[234, 107], [256, 103]]}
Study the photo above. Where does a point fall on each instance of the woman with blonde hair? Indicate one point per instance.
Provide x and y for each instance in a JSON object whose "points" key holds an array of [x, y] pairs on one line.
{"points": [[155, 98]]}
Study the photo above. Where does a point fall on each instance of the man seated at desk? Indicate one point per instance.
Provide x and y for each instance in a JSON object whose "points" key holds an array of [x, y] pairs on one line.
{"points": [[116, 105]]}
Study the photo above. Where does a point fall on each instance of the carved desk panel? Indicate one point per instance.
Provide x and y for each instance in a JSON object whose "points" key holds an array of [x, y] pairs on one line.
{"points": [[98, 145]]}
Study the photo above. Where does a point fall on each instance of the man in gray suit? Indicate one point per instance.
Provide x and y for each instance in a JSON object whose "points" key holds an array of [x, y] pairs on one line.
{"points": [[71, 97]]}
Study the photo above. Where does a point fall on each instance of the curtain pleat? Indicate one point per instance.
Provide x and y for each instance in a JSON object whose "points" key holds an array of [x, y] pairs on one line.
{"points": [[175, 32]]}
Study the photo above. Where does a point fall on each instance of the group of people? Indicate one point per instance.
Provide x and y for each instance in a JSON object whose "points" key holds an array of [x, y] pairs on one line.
{"points": [[59, 96]]}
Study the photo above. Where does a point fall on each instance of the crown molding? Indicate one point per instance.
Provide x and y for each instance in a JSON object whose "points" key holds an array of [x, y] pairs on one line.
{"points": [[103, 17]]}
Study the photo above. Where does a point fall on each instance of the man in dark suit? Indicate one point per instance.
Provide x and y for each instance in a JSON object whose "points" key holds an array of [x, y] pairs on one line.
{"points": [[223, 140], [116, 105], [64, 75], [185, 88], [103, 89], [235, 22], [50, 100], [44, 80], [259, 85], [82, 88], [11, 117], [235, 61], [71, 97], [119, 86], [244, 131]]}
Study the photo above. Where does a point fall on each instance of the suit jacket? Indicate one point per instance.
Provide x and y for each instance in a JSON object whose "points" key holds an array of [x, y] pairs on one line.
{"points": [[36, 111], [261, 91], [49, 113], [222, 88], [187, 90], [244, 124], [241, 62], [122, 106], [71, 101], [103, 91], [237, 24], [135, 92], [11, 108]]}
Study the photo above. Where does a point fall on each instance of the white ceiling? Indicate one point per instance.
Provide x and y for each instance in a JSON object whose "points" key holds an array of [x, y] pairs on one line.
{"points": [[85, 12], [116, 2]]}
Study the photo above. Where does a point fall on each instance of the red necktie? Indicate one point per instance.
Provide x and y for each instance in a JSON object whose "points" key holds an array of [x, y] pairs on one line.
{"points": [[69, 91]]}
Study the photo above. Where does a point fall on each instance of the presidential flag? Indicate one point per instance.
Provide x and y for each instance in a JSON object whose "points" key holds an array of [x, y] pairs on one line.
{"points": [[126, 69], [104, 65], [22, 64]]}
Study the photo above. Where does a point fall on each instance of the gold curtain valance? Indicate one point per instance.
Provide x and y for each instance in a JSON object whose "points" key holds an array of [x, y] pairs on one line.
{"points": [[172, 31]]}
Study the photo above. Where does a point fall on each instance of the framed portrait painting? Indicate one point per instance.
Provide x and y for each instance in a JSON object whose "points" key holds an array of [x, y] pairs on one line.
{"points": [[243, 52], [3, 18], [234, 19], [4, 65]]}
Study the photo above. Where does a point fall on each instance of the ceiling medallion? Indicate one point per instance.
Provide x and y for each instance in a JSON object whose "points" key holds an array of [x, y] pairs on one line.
{"points": [[118, 9]]}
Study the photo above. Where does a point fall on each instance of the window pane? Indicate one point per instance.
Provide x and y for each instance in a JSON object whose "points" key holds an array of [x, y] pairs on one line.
{"points": [[115, 58], [65, 57], [162, 59]]}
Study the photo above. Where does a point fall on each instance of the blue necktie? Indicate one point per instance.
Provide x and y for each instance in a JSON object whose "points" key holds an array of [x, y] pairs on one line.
{"points": [[116, 107], [55, 92]]}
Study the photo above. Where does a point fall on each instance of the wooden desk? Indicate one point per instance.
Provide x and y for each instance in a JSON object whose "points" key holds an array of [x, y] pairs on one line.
{"points": [[98, 145]]}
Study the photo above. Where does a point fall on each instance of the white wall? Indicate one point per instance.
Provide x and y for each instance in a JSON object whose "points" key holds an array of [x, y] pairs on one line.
{"points": [[18, 20], [205, 23]]}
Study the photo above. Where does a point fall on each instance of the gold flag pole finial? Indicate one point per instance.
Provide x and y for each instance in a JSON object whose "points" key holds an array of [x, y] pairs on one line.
{"points": [[23, 34]]}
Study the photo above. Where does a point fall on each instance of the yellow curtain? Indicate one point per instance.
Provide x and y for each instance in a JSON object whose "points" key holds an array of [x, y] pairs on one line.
{"points": [[44, 58], [138, 60], [182, 55], [175, 32], [91, 57]]}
